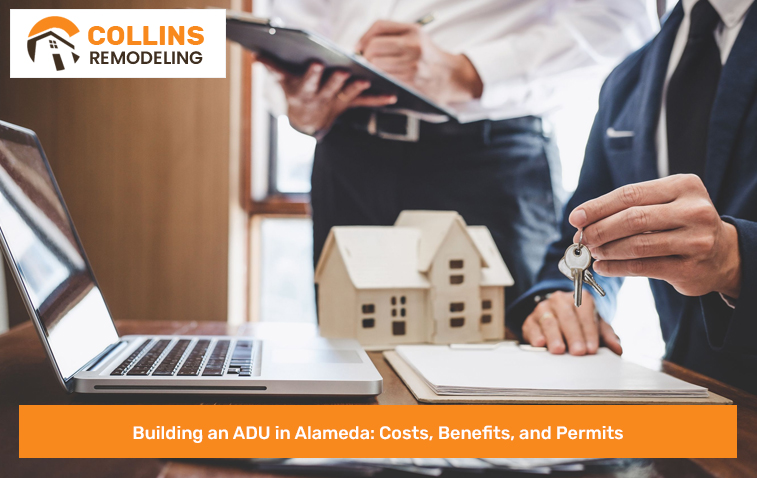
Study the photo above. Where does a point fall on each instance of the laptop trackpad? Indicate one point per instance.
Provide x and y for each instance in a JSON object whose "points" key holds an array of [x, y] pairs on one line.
{"points": [[301, 356]]}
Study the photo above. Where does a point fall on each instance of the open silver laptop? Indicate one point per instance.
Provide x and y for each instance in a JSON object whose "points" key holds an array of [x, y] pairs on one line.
{"points": [[59, 288]]}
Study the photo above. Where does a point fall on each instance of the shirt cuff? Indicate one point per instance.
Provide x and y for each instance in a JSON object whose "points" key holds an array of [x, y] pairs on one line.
{"points": [[496, 62], [730, 302]]}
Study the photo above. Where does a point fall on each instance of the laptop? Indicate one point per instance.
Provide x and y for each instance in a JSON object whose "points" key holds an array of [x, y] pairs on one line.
{"points": [[47, 260]]}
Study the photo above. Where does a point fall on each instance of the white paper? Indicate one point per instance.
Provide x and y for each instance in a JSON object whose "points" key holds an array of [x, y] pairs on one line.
{"points": [[512, 371]]}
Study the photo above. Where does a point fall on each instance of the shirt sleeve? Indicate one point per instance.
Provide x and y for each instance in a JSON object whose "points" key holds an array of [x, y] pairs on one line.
{"points": [[312, 15], [561, 38]]}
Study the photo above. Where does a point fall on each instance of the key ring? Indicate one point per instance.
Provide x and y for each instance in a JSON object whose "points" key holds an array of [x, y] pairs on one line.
{"points": [[580, 240]]}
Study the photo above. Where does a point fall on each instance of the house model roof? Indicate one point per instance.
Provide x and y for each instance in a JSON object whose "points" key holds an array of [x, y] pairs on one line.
{"points": [[496, 273], [433, 226], [377, 257], [399, 256]]}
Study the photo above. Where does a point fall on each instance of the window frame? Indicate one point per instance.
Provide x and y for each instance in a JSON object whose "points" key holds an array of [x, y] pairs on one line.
{"points": [[253, 165], [272, 202]]}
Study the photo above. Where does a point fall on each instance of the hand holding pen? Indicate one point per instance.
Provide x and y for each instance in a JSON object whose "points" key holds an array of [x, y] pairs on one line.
{"points": [[406, 52]]}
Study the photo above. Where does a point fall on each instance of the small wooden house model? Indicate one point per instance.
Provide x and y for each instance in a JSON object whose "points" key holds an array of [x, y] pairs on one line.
{"points": [[429, 278]]}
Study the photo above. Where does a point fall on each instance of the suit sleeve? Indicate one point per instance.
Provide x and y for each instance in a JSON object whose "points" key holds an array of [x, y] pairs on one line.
{"points": [[594, 181], [735, 329]]}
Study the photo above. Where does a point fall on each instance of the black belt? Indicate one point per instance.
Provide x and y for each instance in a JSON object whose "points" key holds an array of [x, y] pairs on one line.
{"points": [[400, 127]]}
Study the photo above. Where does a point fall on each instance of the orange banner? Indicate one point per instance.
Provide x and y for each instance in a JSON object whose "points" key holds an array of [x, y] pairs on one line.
{"points": [[361, 431]]}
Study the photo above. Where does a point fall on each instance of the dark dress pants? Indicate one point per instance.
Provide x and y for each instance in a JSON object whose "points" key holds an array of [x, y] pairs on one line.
{"points": [[501, 180]]}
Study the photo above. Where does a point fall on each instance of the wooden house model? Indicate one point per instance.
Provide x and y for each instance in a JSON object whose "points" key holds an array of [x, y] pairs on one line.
{"points": [[429, 278]]}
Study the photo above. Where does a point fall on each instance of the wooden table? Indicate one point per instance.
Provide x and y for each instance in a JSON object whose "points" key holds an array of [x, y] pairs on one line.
{"points": [[27, 378]]}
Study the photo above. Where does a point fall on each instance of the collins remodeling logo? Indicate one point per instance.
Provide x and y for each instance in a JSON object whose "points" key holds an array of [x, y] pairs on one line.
{"points": [[43, 29], [118, 43]]}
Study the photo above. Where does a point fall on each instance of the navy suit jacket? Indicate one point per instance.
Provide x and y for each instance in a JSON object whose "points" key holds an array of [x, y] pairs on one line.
{"points": [[701, 333]]}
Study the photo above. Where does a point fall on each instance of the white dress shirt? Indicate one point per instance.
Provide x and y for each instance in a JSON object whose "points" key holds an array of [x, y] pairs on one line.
{"points": [[732, 14], [527, 53]]}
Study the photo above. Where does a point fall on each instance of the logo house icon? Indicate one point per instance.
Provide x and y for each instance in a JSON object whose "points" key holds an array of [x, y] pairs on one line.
{"points": [[42, 36]]}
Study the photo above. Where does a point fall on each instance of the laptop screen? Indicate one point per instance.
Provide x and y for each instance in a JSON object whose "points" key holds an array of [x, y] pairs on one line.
{"points": [[45, 252]]}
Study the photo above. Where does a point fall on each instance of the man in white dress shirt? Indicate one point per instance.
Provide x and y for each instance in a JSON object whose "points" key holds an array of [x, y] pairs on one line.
{"points": [[502, 65]]}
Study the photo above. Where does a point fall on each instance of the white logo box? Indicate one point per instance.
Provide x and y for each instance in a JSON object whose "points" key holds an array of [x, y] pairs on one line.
{"points": [[57, 54]]}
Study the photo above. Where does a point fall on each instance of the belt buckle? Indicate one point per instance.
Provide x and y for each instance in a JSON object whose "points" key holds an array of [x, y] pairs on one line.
{"points": [[412, 129]]}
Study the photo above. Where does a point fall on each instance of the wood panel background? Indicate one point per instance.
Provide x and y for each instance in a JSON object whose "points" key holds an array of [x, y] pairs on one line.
{"points": [[144, 167]]}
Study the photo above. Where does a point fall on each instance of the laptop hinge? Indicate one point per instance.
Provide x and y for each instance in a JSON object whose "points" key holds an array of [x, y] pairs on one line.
{"points": [[99, 358]]}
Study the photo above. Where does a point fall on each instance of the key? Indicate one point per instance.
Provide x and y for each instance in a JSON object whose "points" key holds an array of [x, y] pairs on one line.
{"points": [[578, 259], [589, 279], [588, 276]]}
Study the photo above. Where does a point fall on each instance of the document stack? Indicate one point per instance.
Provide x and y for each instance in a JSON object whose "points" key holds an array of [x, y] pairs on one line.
{"points": [[512, 371]]}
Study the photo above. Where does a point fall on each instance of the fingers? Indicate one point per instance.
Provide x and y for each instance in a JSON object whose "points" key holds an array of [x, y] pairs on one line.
{"points": [[609, 338], [373, 101], [556, 318], [383, 27], [311, 80], [532, 331], [542, 330], [632, 221], [395, 66], [658, 244], [334, 84], [550, 327], [658, 191], [556, 321], [386, 46], [571, 329], [352, 91], [653, 267], [588, 318]]}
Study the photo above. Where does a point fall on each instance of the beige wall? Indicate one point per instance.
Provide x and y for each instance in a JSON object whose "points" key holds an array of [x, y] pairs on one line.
{"points": [[144, 167]]}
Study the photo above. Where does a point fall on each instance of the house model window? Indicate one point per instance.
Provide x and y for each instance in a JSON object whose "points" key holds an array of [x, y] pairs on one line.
{"points": [[456, 279], [457, 306], [430, 278]]}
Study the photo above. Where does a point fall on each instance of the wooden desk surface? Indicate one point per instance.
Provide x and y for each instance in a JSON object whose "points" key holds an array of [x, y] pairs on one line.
{"points": [[27, 378]]}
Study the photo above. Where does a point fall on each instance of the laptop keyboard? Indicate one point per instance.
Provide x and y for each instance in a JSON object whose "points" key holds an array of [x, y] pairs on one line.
{"points": [[130, 359], [217, 359], [169, 358], [193, 363], [241, 359], [169, 363], [148, 360]]}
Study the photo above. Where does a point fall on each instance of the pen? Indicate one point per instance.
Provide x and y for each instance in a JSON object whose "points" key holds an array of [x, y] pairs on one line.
{"points": [[426, 19], [422, 21]]}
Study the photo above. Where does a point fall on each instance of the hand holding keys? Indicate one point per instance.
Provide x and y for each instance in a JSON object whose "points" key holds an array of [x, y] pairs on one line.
{"points": [[575, 266]]}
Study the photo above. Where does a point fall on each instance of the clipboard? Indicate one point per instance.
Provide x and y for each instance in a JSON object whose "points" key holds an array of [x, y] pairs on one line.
{"points": [[294, 50], [424, 394]]}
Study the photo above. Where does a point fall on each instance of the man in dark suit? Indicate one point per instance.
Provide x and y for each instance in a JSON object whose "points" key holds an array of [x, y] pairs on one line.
{"points": [[668, 191]]}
